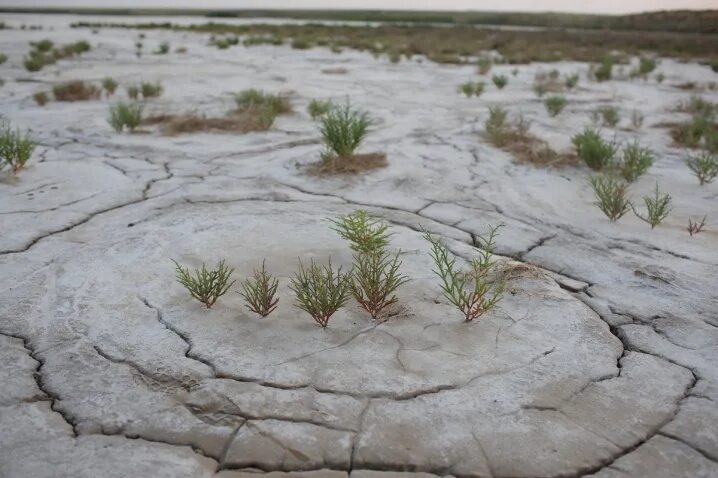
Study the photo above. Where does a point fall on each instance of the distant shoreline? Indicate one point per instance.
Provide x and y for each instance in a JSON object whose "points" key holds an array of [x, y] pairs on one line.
{"points": [[683, 21]]}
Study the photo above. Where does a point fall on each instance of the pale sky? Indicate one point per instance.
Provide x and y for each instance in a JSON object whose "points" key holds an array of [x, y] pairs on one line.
{"points": [[591, 6]]}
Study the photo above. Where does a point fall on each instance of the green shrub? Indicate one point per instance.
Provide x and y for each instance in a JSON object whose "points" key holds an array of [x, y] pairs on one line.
{"points": [[604, 71], [473, 292], [365, 234], [75, 91], [472, 88], [555, 104], [500, 81], [660, 77], [572, 81], [318, 108], [163, 49], [151, 90], [41, 98], [263, 107], [205, 285], [635, 161], [484, 65], [540, 88], [657, 208], [593, 150], [497, 125], [320, 291], [124, 115], [301, 44], [646, 65], [133, 92], [704, 166], [37, 60], [260, 292], [611, 196], [42, 45], [343, 129], [609, 115], [110, 86], [80, 47], [15, 148]]}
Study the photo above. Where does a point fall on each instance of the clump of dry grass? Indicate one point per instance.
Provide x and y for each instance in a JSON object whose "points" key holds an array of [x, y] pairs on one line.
{"points": [[41, 98], [76, 91]]}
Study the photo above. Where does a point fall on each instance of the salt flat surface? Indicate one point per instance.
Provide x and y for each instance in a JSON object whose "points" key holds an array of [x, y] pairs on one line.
{"points": [[600, 360]]}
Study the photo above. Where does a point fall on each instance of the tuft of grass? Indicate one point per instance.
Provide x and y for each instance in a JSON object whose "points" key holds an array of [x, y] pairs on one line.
{"points": [[610, 116], [3, 58], [261, 108], [646, 65], [75, 91], [472, 88], [133, 91], [497, 126], [611, 196], [162, 49], [704, 166], [42, 45], [151, 90], [604, 70], [260, 292], [635, 161], [15, 148], [500, 81], [555, 104], [205, 285], [301, 44], [366, 234], [124, 115], [320, 291], [110, 86], [571, 81], [318, 108], [36, 61], [41, 98], [484, 65], [593, 150], [473, 292], [695, 227], [343, 129], [657, 208]]}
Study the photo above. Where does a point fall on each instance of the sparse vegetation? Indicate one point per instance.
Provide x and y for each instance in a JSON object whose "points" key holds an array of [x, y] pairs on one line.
{"points": [[593, 150], [695, 227], [609, 115], [572, 81], [604, 70], [497, 126], [500, 81], [260, 292], [41, 98], [76, 91], [3, 58], [472, 88], [365, 234], [15, 148], [473, 292], [484, 65], [205, 285], [110, 86], [657, 208], [125, 115], [260, 109], [611, 196], [151, 90], [41, 55], [320, 291], [343, 129], [635, 161], [318, 108], [704, 166], [43, 45], [646, 65], [162, 49], [555, 104], [133, 91]]}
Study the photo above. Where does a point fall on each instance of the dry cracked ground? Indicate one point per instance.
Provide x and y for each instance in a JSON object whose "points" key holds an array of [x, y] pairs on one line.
{"points": [[600, 361]]}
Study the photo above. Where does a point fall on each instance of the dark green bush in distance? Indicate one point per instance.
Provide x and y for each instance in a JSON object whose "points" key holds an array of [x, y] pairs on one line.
{"points": [[110, 86], [163, 49], [472, 88], [124, 115], [3, 58], [572, 81], [42, 45], [611, 196], [15, 148], [646, 65], [500, 81], [593, 150], [205, 285]]}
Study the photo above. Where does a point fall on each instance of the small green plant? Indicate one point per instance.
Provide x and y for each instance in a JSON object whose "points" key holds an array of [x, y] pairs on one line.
{"points": [[15, 148], [500, 81], [635, 161], [42, 45], [636, 120], [484, 65], [603, 71], [473, 292], [36, 61], [133, 92], [163, 49], [3, 58], [263, 107], [657, 208], [260, 292], [75, 91], [301, 44], [205, 285], [660, 77], [497, 125], [110, 86], [80, 47], [646, 65], [320, 291], [695, 227], [611, 196], [151, 90], [555, 104], [594, 150], [375, 279], [705, 167], [318, 108], [343, 129], [610, 115], [572, 81], [124, 115], [366, 234], [472, 88], [540, 88], [41, 98]]}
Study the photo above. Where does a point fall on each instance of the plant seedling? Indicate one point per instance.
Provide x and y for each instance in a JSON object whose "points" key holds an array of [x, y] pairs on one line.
{"points": [[635, 161], [611, 196], [694, 227], [704, 166], [593, 150], [657, 208], [365, 233], [124, 115], [205, 285], [260, 292]]}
